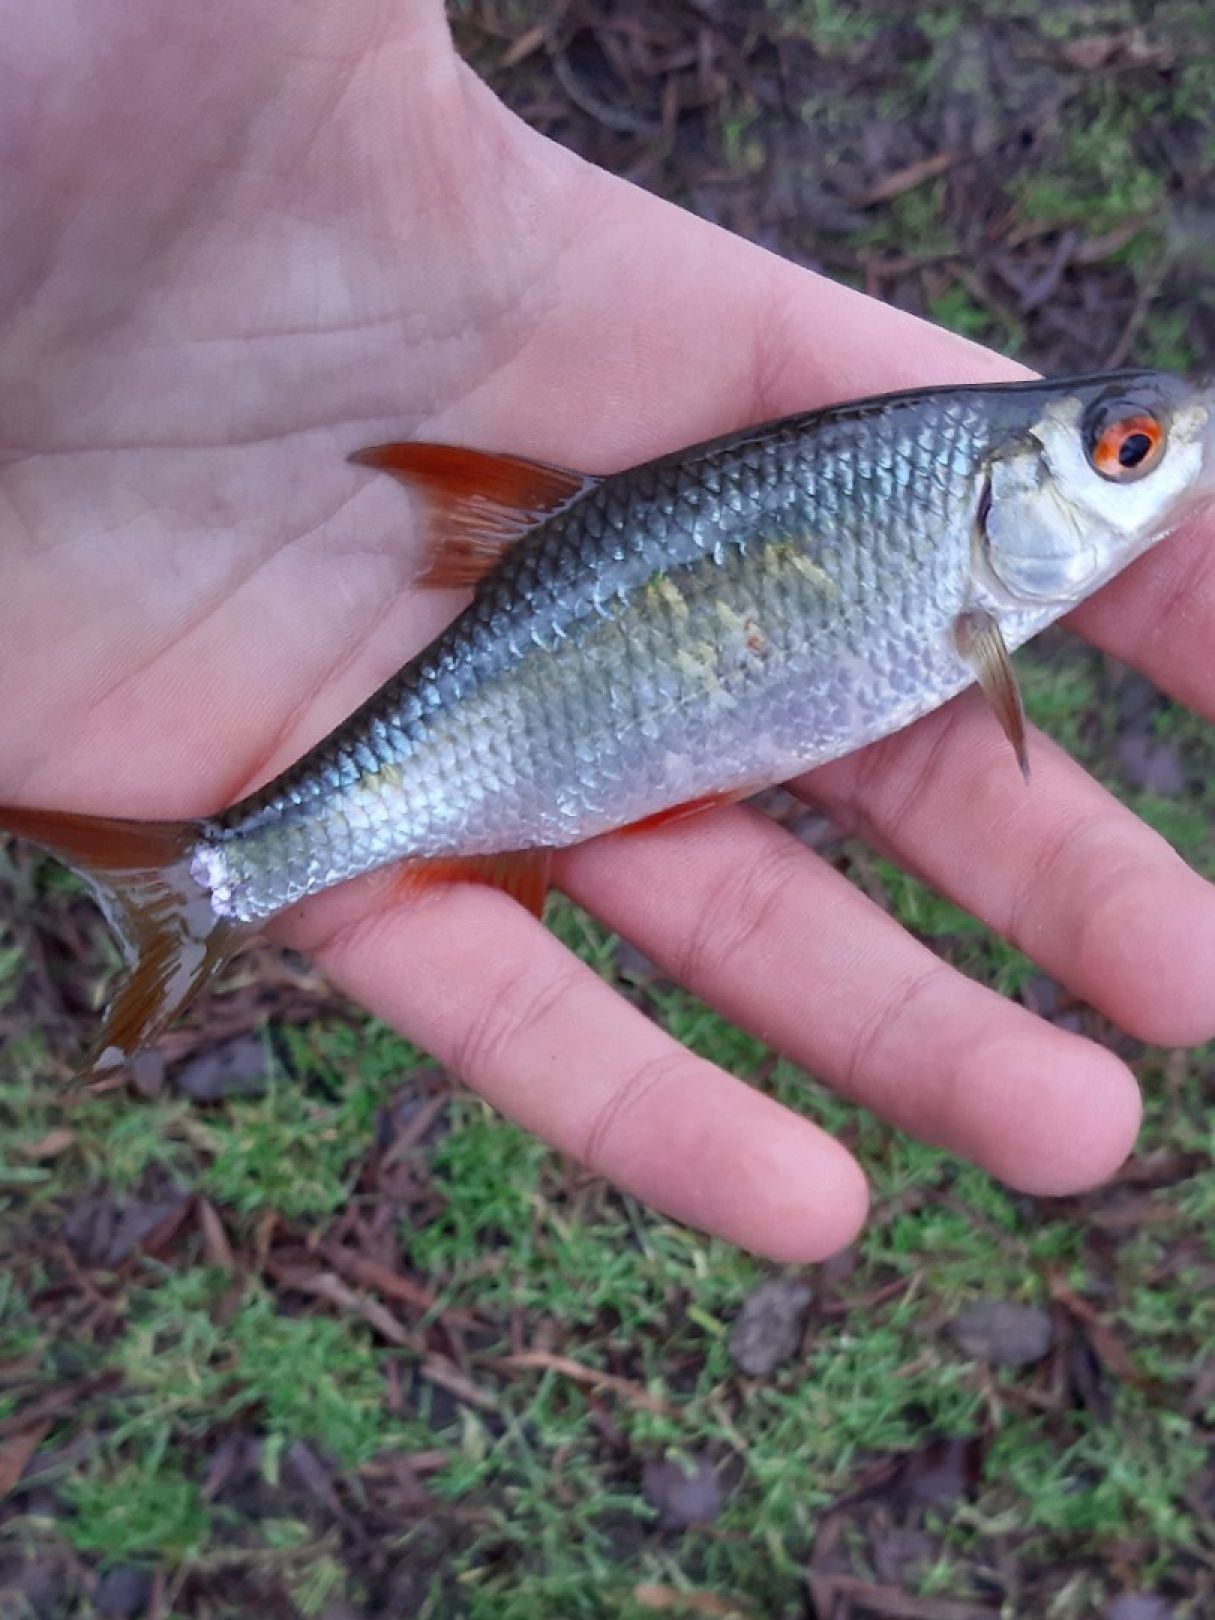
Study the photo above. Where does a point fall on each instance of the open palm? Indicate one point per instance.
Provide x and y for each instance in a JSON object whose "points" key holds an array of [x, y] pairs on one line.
{"points": [[226, 265]]}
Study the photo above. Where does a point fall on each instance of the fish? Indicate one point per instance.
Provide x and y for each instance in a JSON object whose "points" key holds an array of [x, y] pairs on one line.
{"points": [[645, 645]]}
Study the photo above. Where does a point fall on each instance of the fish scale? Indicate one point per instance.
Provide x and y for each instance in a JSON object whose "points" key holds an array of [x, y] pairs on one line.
{"points": [[601, 673]]}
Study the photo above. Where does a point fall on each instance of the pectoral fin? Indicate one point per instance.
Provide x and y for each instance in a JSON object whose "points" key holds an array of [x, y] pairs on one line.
{"points": [[979, 641]]}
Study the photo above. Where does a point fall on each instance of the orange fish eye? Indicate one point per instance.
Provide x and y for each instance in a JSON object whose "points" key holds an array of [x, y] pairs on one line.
{"points": [[1124, 441]]}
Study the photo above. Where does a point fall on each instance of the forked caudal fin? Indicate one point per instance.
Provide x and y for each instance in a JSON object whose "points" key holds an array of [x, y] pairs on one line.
{"points": [[139, 873]]}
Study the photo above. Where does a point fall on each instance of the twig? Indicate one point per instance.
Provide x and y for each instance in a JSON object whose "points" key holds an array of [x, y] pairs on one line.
{"points": [[567, 1367]]}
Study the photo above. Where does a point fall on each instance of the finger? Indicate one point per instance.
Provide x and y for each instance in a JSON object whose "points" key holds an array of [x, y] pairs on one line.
{"points": [[776, 939], [1058, 867], [491, 993]]}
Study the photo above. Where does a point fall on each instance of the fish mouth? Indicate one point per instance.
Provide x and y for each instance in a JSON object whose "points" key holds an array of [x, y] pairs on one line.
{"points": [[1204, 398]]}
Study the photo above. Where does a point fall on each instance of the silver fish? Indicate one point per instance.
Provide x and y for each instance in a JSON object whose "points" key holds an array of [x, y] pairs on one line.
{"points": [[675, 635]]}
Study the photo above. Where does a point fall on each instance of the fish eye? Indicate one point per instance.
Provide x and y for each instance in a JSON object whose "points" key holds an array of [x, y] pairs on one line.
{"points": [[1123, 440]]}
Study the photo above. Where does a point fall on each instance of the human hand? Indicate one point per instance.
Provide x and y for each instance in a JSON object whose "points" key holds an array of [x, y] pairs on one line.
{"points": [[224, 269]]}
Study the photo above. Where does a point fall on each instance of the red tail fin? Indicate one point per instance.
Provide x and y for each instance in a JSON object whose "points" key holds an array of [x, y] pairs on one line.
{"points": [[139, 873]]}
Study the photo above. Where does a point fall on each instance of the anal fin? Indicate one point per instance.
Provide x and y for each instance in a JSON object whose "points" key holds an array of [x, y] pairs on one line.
{"points": [[680, 812], [524, 874]]}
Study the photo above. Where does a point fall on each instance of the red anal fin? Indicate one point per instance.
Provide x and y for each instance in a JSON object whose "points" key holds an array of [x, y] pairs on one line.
{"points": [[524, 874], [679, 812], [480, 503]]}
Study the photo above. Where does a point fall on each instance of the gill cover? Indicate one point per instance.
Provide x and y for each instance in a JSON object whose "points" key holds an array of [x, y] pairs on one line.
{"points": [[1102, 474]]}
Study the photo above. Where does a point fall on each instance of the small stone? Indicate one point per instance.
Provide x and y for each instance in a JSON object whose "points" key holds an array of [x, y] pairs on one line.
{"points": [[1137, 1606], [683, 1495], [1003, 1333], [1152, 764], [945, 1469], [236, 1068], [147, 1072], [769, 1326], [123, 1592], [634, 965]]}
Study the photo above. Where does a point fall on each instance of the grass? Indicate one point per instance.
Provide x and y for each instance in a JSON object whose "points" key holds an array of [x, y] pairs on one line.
{"points": [[560, 1527]]}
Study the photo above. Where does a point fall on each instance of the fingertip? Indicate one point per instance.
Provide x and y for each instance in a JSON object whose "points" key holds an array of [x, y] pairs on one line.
{"points": [[825, 1216], [1068, 1128], [717, 1155], [1153, 944], [803, 1197]]}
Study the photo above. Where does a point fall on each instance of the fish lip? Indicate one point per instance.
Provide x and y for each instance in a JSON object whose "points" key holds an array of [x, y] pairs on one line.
{"points": [[1204, 394]]}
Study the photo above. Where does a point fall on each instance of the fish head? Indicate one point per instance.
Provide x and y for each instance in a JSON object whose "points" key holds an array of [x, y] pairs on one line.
{"points": [[1104, 469]]}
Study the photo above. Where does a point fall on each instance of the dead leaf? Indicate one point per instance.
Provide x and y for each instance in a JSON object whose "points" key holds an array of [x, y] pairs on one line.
{"points": [[146, 1072], [314, 1476], [1090, 53], [1129, 48], [567, 1367], [54, 1401], [889, 1602], [49, 1146], [1202, 1391], [1134, 1212], [426, 1462], [327, 1285], [524, 46], [673, 1599], [237, 1455], [414, 1131], [368, 1273], [16, 1452], [449, 1377], [944, 1469], [1106, 1344], [105, 1231], [215, 1239], [905, 179]]}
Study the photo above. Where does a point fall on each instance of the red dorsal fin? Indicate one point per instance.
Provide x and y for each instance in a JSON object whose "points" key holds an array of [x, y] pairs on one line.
{"points": [[524, 874], [480, 503]]}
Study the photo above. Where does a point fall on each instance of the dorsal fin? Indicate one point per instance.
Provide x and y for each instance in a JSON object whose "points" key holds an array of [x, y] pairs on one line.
{"points": [[480, 503]]}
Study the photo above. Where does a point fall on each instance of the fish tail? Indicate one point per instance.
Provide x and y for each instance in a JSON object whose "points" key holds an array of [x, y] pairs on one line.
{"points": [[140, 874]]}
